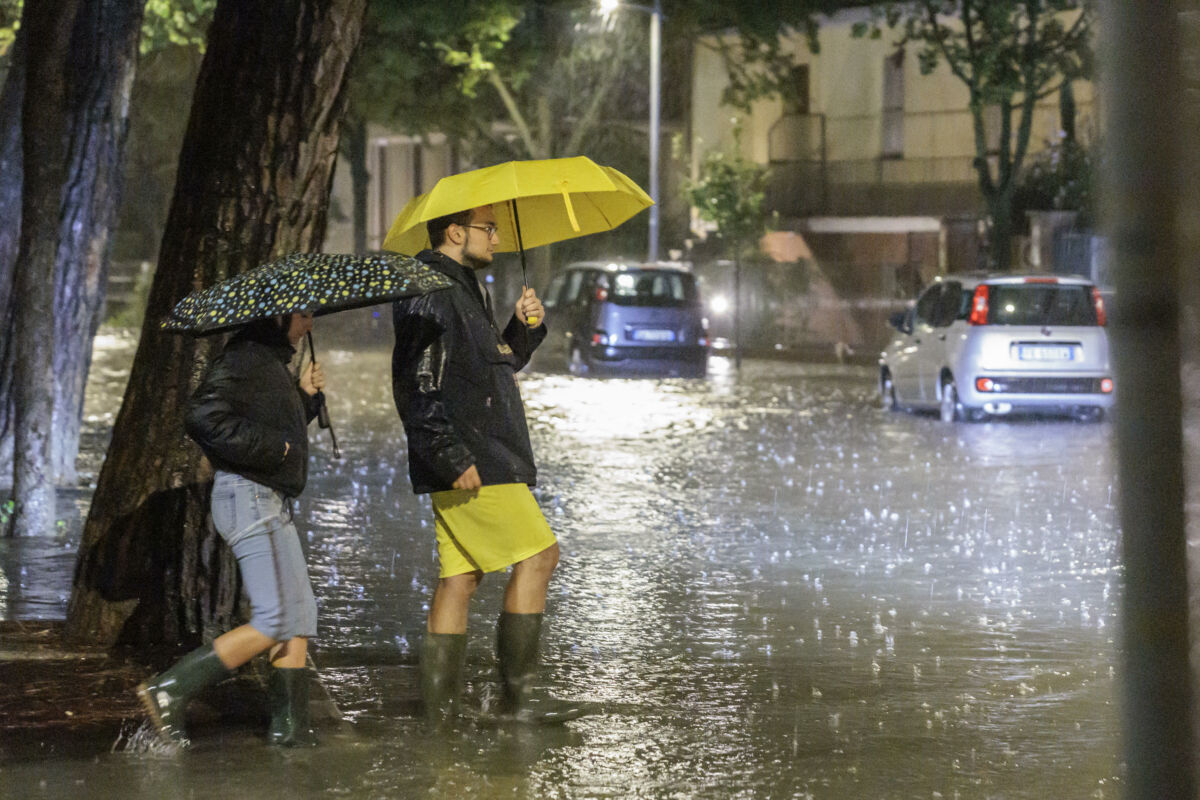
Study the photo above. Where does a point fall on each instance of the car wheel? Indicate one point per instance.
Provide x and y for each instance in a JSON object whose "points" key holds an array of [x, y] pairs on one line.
{"points": [[887, 389], [577, 364], [949, 409]]}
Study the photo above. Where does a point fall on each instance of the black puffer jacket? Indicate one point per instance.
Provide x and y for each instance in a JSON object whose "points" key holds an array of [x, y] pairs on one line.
{"points": [[454, 383], [249, 405]]}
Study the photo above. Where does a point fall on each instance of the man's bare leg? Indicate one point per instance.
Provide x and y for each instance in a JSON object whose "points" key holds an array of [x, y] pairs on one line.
{"points": [[526, 590], [451, 601]]}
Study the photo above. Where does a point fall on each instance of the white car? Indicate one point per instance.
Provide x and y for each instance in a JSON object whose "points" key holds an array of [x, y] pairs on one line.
{"points": [[977, 346]]}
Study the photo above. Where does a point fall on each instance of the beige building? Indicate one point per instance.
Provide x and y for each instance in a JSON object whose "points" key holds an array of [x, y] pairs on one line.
{"points": [[870, 134], [400, 167]]}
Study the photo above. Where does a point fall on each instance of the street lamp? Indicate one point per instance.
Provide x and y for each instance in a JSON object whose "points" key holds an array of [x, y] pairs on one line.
{"points": [[607, 7]]}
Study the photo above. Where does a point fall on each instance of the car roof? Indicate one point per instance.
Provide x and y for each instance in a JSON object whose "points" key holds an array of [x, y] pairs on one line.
{"points": [[971, 280], [619, 265]]}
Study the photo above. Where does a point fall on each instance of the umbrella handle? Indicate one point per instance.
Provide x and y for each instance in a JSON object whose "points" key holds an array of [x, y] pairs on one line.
{"points": [[532, 322], [322, 409]]}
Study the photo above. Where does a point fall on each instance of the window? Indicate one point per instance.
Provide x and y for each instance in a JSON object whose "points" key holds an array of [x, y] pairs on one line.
{"points": [[1033, 304], [893, 105], [796, 101], [552, 292], [574, 281], [927, 306], [651, 288]]}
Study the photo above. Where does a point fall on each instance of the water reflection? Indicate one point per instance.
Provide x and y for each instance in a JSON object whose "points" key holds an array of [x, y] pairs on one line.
{"points": [[775, 589]]}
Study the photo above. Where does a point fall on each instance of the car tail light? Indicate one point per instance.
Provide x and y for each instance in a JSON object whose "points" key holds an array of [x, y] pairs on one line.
{"points": [[985, 384], [979, 306], [601, 294], [1041, 280], [1101, 316], [600, 337], [1106, 385]]}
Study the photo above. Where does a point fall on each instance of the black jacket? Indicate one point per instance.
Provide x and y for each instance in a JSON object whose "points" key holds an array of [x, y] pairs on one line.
{"points": [[455, 386], [248, 406]]}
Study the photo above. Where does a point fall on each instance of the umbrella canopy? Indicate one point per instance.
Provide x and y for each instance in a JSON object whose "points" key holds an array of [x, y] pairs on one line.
{"points": [[546, 201], [317, 282]]}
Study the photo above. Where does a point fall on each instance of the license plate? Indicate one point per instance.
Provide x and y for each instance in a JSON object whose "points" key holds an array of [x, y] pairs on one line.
{"points": [[653, 335], [1045, 352]]}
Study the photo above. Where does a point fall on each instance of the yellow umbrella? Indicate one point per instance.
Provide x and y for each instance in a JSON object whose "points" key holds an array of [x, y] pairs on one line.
{"points": [[536, 203]]}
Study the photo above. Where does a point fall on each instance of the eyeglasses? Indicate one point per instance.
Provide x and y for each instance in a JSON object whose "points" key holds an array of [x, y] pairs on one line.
{"points": [[490, 230]]}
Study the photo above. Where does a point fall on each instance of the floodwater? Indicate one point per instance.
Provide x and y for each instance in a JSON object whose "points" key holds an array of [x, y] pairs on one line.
{"points": [[773, 587]]}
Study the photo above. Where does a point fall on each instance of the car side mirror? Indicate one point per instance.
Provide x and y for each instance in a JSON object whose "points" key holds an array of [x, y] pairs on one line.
{"points": [[901, 321]]}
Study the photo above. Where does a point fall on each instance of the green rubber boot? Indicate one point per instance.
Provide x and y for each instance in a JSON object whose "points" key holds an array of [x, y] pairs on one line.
{"points": [[442, 659], [166, 696], [287, 694], [517, 637]]}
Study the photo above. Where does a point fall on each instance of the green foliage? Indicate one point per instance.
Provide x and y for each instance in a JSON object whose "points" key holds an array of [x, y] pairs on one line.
{"points": [[10, 20], [419, 63], [179, 23], [1063, 177], [730, 192]]}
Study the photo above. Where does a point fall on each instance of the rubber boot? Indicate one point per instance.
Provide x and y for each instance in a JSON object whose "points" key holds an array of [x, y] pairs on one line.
{"points": [[517, 637], [442, 659], [287, 694], [166, 696]]}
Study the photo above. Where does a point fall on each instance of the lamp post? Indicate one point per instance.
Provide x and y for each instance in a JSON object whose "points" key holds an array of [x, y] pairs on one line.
{"points": [[655, 11]]}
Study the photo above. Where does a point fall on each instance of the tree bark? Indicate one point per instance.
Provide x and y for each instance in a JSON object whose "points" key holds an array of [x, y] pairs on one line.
{"points": [[43, 147], [11, 180], [103, 64], [253, 181], [360, 178]]}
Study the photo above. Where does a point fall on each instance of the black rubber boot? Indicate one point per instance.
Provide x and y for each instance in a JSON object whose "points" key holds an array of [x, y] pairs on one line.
{"points": [[442, 659], [517, 637], [166, 695], [287, 693]]}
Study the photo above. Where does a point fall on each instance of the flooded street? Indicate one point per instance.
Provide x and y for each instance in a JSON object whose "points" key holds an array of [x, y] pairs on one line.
{"points": [[774, 588]]}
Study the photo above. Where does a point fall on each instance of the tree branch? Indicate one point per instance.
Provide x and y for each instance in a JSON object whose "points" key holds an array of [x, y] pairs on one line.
{"points": [[514, 113]]}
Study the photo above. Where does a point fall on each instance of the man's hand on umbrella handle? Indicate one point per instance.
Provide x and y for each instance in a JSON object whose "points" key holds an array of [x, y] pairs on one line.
{"points": [[312, 379], [469, 480], [530, 309]]}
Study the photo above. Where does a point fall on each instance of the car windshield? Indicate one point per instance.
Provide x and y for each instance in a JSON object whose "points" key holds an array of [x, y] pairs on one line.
{"points": [[650, 287], [1037, 304]]}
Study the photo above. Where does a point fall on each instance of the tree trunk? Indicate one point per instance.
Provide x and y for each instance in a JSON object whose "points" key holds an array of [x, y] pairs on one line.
{"points": [[11, 178], [1000, 244], [360, 178], [253, 182], [103, 63], [737, 307], [43, 147]]}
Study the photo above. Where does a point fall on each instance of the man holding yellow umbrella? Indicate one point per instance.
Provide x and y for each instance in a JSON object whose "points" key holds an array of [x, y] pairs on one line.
{"points": [[454, 383]]}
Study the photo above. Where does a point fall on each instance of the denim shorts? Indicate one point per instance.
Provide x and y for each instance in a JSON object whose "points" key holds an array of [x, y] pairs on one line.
{"points": [[256, 522]]}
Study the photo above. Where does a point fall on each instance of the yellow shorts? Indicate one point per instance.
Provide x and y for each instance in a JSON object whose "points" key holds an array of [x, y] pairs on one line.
{"points": [[489, 529]]}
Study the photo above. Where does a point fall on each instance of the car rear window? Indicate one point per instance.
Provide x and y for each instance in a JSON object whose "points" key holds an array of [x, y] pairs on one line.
{"points": [[1040, 304], [649, 288]]}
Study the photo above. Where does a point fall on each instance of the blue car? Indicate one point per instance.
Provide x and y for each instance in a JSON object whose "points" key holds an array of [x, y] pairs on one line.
{"points": [[615, 318]]}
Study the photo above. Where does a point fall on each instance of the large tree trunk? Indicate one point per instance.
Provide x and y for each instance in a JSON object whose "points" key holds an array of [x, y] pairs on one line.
{"points": [[103, 63], [43, 121], [360, 178], [253, 181], [11, 178]]}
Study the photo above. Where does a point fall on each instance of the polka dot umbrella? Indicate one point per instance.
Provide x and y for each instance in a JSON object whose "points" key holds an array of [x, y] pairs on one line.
{"points": [[317, 282]]}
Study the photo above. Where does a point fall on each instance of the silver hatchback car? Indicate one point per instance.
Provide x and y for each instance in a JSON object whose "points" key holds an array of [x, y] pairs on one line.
{"points": [[977, 346]]}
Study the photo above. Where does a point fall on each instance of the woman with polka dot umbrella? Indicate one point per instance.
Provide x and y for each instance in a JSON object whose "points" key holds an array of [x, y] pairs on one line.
{"points": [[316, 283], [309, 283]]}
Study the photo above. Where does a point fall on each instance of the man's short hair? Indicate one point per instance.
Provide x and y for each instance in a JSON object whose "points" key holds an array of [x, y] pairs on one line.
{"points": [[437, 227]]}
